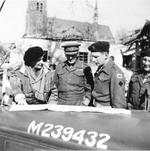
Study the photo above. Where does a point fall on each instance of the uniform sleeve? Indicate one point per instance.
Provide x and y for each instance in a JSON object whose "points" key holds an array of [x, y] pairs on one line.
{"points": [[129, 94], [12, 87], [118, 99], [89, 83], [133, 100], [55, 75], [16, 84], [51, 90]]}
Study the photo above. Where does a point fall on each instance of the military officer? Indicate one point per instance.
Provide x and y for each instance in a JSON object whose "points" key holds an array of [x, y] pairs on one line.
{"points": [[73, 78], [109, 81], [139, 85]]}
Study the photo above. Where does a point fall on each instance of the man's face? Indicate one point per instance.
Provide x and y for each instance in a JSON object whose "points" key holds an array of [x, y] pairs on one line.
{"points": [[71, 58], [38, 64], [99, 58], [146, 63]]}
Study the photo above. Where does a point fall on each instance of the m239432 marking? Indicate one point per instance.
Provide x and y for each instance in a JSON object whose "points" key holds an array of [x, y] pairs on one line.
{"points": [[89, 138]]}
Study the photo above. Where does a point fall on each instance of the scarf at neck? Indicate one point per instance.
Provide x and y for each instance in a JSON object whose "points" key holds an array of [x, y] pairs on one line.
{"points": [[37, 82]]}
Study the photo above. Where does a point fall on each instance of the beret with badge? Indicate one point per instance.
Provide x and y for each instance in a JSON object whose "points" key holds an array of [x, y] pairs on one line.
{"points": [[99, 46], [71, 48], [145, 52]]}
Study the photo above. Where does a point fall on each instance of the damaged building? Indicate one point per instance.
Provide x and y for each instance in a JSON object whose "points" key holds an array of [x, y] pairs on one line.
{"points": [[40, 27], [136, 42]]}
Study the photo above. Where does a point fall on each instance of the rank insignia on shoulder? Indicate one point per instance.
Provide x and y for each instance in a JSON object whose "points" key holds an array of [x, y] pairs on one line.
{"points": [[80, 70], [119, 76]]}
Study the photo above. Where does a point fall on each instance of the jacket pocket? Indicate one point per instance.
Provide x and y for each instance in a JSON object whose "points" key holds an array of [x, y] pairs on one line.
{"points": [[78, 77], [103, 78], [79, 73]]}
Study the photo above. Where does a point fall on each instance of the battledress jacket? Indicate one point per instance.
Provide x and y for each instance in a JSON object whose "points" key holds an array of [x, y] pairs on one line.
{"points": [[109, 86], [137, 90], [73, 83], [20, 84]]}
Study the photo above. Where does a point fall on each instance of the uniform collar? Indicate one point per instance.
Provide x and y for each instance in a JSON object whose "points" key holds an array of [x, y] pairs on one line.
{"points": [[76, 65], [107, 67], [139, 77]]}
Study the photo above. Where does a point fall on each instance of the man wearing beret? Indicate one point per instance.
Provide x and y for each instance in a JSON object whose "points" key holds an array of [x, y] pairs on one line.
{"points": [[139, 85], [33, 83], [109, 81], [73, 78]]}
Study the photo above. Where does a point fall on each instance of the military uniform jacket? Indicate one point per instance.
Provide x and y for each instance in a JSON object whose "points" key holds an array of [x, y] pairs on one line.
{"points": [[20, 83], [73, 83], [109, 86], [137, 91]]}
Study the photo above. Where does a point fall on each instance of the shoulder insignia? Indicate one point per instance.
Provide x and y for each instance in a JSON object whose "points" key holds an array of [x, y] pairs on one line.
{"points": [[121, 83], [81, 70], [119, 76]]}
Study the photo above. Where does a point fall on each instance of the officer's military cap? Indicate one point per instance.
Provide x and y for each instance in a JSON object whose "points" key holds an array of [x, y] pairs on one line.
{"points": [[71, 48], [99, 46], [145, 52]]}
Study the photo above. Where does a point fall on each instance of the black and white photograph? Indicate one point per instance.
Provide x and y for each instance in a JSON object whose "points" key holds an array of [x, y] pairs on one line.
{"points": [[74, 75]]}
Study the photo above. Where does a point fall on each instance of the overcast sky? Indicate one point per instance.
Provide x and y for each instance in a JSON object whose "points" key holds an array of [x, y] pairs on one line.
{"points": [[117, 14]]}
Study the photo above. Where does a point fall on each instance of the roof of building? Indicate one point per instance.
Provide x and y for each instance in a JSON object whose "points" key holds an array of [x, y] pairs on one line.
{"points": [[68, 30], [139, 36]]}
